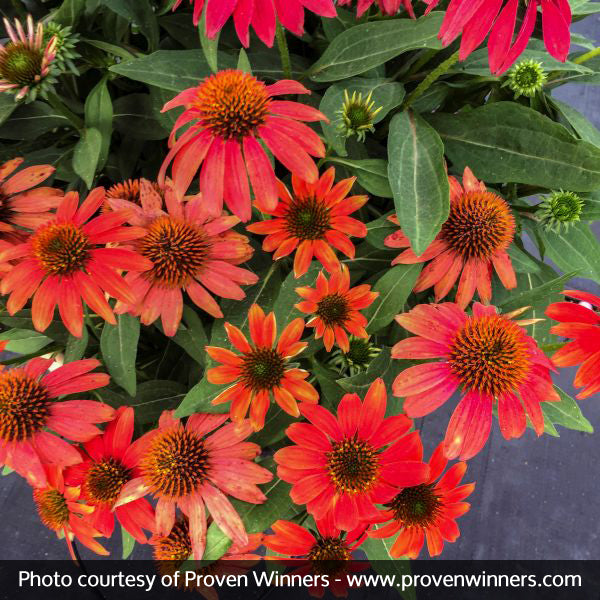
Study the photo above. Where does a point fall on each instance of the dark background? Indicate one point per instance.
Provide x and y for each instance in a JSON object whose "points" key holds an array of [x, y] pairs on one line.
{"points": [[534, 499]]}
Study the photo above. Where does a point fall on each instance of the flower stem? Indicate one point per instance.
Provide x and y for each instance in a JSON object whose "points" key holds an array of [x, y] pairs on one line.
{"points": [[429, 80], [284, 53], [587, 56], [57, 104]]}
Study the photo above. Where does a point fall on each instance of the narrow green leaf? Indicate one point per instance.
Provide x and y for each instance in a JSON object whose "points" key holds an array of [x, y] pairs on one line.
{"points": [[119, 345], [128, 543], [284, 308], [24, 341], [69, 12], [29, 121], [75, 348], [199, 399], [566, 413], [152, 397], [371, 173], [209, 47], [87, 155], [244, 62], [584, 128], [99, 116], [418, 179], [134, 116], [521, 260], [7, 106], [139, 12], [191, 335]]}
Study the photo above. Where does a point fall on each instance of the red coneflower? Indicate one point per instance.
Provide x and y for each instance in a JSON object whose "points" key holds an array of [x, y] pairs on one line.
{"points": [[581, 324], [312, 220], [261, 370], [186, 467], [476, 235], [186, 250], [22, 206], [341, 467], [60, 511], [230, 112], [261, 15], [133, 190], [427, 511], [108, 464], [387, 7], [476, 18], [64, 262], [336, 307], [29, 406], [327, 552], [490, 356], [24, 61]]}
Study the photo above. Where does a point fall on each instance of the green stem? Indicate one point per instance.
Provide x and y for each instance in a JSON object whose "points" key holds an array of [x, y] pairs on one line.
{"points": [[57, 104], [284, 53], [587, 56], [429, 80]]}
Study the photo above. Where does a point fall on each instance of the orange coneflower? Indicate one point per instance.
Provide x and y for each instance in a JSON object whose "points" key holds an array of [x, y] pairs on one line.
{"points": [[427, 511], [342, 467], [327, 551], [65, 261], [312, 220], [261, 370], [229, 113], [581, 324], [490, 356], [336, 307], [476, 235], [60, 511], [187, 250], [29, 406], [132, 190], [22, 205], [108, 464], [195, 467]]}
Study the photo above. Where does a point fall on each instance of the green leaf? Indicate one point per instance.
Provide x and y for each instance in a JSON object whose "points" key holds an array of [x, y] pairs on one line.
{"points": [[217, 543], [536, 294], [29, 121], [152, 397], [394, 287], [75, 348], [566, 413], [87, 155], [128, 543], [372, 44], [371, 173], [139, 12], [576, 249], [209, 47], [7, 106], [591, 209], [522, 262], [24, 341], [173, 70], [243, 62], [585, 129], [284, 308], [418, 179], [378, 230], [69, 12], [134, 117], [191, 335], [331, 391], [505, 141], [22, 320], [99, 115], [119, 344], [199, 398]]}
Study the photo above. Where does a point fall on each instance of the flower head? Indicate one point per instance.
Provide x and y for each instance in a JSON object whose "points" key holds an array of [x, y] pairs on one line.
{"points": [[361, 352], [475, 237], [29, 408], [22, 204], [426, 511], [195, 467], [311, 220], [138, 191], [261, 15], [60, 510], [478, 18], [64, 261], [387, 7], [25, 61], [229, 113], [336, 308], [358, 115], [186, 250], [108, 464], [342, 467], [326, 551], [560, 210], [65, 43], [261, 370], [580, 323], [489, 356], [526, 78]]}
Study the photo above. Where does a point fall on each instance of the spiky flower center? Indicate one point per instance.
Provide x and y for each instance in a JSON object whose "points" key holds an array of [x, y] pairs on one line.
{"points": [[417, 506], [176, 463], [24, 406], [361, 352], [308, 219], [262, 369], [358, 114], [128, 190], [333, 309], [61, 248], [353, 465], [179, 251], [231, 104], [176, 546], [329, 556], [479, 225], [105, 480], [21, 64], [52, 508], [526, 78], [489, 354]]}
